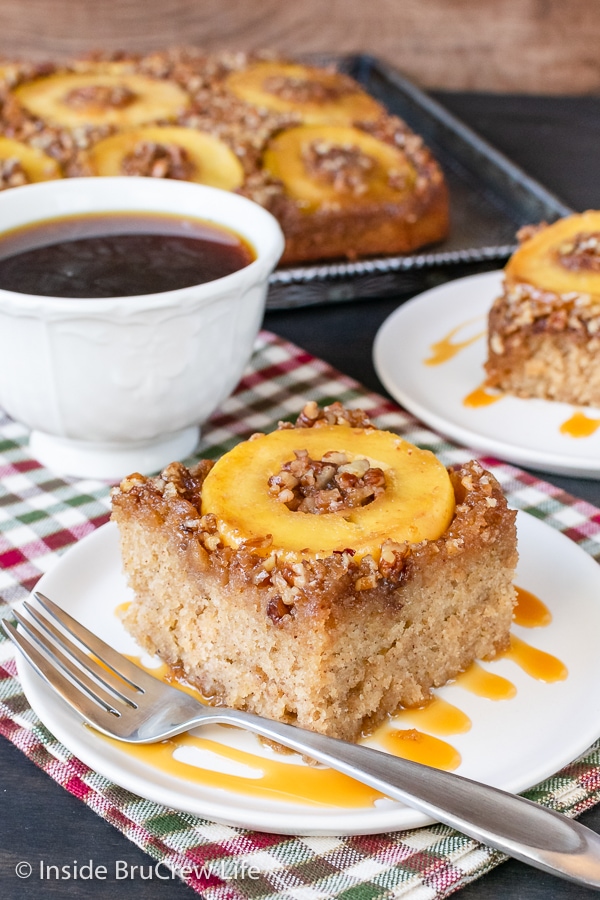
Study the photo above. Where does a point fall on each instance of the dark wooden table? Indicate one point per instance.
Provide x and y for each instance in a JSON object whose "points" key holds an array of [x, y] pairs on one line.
{"points": [[554, 139]]}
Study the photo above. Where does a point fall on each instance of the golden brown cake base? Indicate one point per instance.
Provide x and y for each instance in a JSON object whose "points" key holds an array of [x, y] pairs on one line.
{"points": [[305, 644], [401, 228]]}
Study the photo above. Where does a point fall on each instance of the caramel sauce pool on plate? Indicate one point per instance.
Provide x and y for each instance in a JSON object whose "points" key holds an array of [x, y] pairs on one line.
{"points": [[481, 397], [534, 662], [479, 681], [447, 348], [314, 785], [530, 612], [580, 426]]}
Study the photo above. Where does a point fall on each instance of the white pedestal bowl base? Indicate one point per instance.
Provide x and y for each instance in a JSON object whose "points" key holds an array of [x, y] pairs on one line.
{"points": [[108, 461]]}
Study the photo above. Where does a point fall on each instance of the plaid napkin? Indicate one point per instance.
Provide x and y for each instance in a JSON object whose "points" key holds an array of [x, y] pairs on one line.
{"points": [[42, 514]]}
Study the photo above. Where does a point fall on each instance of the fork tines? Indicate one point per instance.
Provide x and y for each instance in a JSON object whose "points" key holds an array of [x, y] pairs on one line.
{"points": [[102, 674]]}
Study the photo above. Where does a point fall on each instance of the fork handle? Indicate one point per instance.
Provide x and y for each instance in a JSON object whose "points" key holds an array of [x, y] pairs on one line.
{"points": [[534, 834]]}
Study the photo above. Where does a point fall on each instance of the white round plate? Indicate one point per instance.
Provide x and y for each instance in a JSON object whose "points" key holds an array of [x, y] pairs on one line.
{"points": [[513, 744], [526, 432]]}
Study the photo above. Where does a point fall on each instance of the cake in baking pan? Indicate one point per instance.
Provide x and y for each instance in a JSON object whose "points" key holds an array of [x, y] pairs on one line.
{"points": [[324, 574], [344, 178]]}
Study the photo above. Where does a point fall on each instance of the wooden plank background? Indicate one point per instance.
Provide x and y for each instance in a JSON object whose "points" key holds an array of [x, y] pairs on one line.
{"points": [[530, 46]]}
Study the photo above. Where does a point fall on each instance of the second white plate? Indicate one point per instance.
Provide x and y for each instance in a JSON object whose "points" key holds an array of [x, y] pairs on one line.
{"points": [[526, 432]]}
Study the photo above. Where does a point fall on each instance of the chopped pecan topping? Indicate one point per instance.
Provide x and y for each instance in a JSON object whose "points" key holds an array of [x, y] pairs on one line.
{"points": [[127, 485], [330, 484], [398, 180], [529, 231], [102, 96], [156, 160], [523, 305], [308, 90], [12, 174], [277, 609], [581, 253], [367, 575], [393, 559], [312, 416], [344, 166]]}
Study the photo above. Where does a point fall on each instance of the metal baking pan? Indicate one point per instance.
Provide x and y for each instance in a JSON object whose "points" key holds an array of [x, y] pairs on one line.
{"points": [[490, 198]]}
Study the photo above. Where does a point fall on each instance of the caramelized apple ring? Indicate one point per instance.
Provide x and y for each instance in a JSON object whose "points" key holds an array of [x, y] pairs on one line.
{"points": [[211, 161], [417, 504], [338, 165], [317, 95], [34, 163], [104, 97], [543, 259]]}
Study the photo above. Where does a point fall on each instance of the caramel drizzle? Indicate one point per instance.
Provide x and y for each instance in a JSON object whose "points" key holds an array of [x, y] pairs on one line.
{"points": [[530, 612], [481, 397], [447, 348], [274, 780], [409, 743], [536, 663], [486, 684], [580, 426], [438, 716], [577, 426]]}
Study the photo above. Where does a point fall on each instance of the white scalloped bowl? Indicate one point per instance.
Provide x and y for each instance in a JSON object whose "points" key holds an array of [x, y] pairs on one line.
{"points": [[111, 386]]}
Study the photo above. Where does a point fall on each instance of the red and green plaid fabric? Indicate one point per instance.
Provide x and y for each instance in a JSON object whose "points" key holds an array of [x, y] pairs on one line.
{"points": [[41, 515]]}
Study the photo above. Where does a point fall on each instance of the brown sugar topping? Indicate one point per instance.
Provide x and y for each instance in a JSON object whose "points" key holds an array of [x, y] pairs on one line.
{"points": [[12, 174], [102, 96], [331, 484], [344, 166], [581, 253], [152, 159], [307, 90]]}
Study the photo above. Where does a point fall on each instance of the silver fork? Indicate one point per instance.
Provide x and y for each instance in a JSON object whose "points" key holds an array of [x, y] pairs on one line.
{"points": [[123, 701]]}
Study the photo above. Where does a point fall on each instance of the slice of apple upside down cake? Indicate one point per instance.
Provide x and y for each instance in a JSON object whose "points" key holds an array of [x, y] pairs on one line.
{"points": [[323, 574]]}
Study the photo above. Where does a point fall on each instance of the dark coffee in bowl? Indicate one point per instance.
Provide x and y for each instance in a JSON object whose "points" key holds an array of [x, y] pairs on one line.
{"points": [[120, 254]]}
